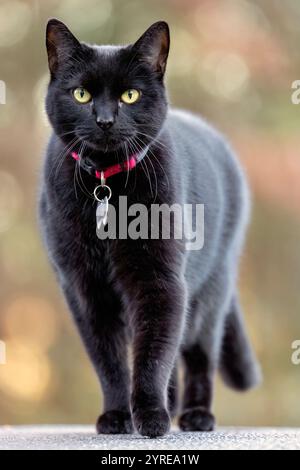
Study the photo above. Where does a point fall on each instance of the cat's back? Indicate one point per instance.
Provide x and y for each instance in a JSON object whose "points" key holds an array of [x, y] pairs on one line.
{"points": [[210, 175], [201, 141], [206, 159], [190, 126]]}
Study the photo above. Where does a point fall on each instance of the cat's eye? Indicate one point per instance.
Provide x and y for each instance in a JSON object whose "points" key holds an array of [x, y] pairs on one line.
{"points": [[130, 96], [82, 95]]}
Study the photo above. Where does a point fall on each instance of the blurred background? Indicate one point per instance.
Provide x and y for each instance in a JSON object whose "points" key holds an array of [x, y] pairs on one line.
{"points": [[234, 62]]}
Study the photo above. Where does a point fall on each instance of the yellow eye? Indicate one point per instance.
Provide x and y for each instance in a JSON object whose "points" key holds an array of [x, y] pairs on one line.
{"points": [[82, 95], [130, 96]]}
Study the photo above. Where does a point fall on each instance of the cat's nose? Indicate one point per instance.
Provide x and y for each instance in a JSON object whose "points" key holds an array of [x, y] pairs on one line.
{"points": [[104, 124]]}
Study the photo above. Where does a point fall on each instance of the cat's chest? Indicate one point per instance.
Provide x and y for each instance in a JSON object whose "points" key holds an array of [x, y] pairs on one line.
{"points": [[74, 225]]}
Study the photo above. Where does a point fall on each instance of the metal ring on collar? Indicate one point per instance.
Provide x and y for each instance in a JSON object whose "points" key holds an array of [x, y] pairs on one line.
{"points": [[102, 186]]}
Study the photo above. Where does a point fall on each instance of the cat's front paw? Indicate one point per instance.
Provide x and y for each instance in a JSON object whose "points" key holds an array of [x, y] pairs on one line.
{"points": [[115, 422], [151, 422], [197, 419]]}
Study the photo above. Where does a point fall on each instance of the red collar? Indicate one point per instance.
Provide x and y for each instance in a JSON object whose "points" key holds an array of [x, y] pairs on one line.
{"points": [[114, 169]]}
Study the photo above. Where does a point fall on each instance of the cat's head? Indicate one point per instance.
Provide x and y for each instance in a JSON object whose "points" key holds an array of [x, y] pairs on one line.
{"points": [[107, 95]]}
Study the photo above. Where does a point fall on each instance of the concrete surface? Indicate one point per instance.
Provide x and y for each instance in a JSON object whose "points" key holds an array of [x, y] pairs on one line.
{"points": [[84, 438]]}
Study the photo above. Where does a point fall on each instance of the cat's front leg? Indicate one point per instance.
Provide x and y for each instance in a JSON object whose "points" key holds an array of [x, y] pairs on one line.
{"points": [[157, 328], [98, 313], [157, 319]]}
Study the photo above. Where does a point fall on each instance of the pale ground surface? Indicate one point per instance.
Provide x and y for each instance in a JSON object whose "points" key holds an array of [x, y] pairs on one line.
{"points": [[83, 438]]}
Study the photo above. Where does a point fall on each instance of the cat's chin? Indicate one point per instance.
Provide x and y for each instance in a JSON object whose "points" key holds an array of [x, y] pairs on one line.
{"points": [[105, 147]]}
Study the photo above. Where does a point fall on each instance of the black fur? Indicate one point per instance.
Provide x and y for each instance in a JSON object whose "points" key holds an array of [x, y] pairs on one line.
{"points": [[148, 292]]}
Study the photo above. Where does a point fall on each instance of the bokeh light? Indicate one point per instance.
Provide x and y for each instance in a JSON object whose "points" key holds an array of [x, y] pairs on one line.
{"points": [[85, 15], [15, 22], [18, 254], [30, 318], [27, 373], [226, 75], [10, 200], [39, 94]]}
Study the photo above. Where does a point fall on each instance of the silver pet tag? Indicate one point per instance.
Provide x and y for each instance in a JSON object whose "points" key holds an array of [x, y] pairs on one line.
{"points": [[102, 202], [101, 212]]}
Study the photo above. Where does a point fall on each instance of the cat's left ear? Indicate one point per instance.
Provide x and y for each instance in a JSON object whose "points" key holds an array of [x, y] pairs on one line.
{"points": [[153, 46], [61, 44]]}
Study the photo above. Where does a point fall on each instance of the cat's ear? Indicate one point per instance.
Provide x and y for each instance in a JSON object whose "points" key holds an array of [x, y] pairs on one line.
{"points": [[153, 46], [60, 43]]}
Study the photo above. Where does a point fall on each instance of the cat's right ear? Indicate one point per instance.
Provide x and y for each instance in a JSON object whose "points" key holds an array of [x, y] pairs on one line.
{"points": [[60, 43]]}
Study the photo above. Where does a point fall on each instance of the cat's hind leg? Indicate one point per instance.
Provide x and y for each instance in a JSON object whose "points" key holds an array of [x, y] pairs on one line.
{"points": [[173, 393], [201, 350], [198, 390]]}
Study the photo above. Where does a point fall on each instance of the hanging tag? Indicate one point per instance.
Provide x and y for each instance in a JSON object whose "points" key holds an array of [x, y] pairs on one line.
{"points": [[101, 212], [102, 202]]}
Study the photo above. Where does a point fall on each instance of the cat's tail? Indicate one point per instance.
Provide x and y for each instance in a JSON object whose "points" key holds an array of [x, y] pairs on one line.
{"points": [[238, 365]]}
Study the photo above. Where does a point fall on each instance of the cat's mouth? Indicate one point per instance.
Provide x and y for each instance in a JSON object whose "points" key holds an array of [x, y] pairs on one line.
{"points": [[105, 145]]}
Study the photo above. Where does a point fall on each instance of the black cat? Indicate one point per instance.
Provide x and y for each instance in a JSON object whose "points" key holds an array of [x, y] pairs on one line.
{"points": [[107, 104]]}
